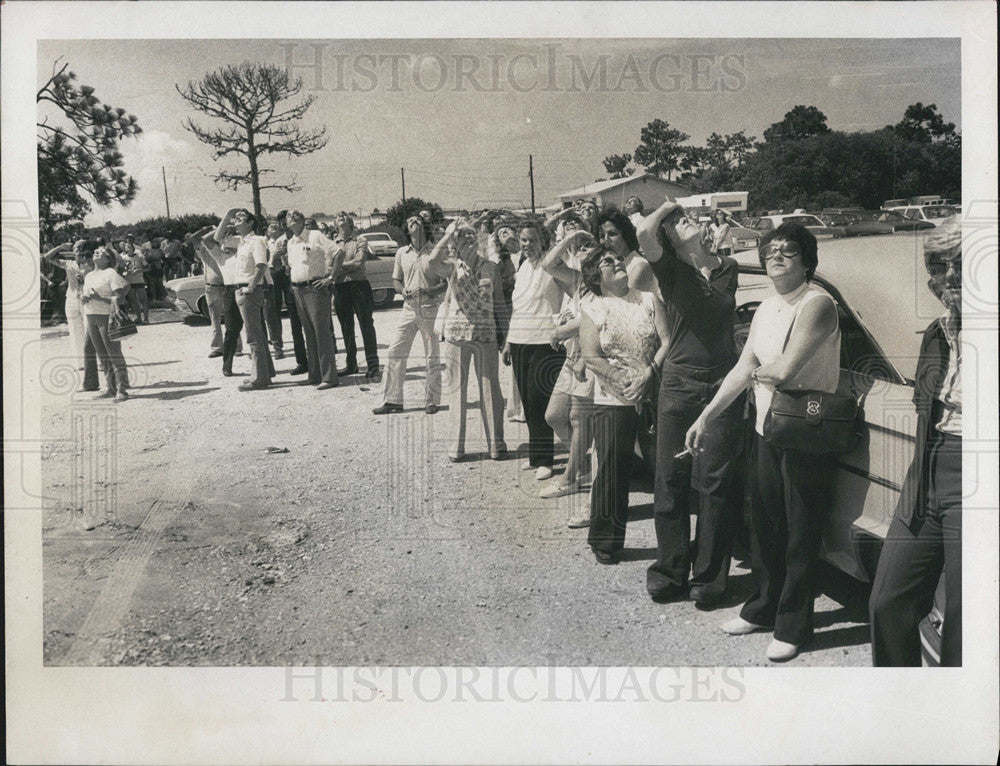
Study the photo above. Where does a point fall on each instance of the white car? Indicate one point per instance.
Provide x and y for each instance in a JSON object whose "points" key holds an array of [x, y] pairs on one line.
{"points": [[380, 243], [931, 213]]}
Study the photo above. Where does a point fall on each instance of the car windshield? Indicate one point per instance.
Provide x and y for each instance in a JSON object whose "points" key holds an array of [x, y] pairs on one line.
{"points": [[804, 220], [890, 216]]}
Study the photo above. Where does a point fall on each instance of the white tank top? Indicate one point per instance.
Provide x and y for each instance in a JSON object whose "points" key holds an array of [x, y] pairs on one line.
{"points": [[771, 321]]}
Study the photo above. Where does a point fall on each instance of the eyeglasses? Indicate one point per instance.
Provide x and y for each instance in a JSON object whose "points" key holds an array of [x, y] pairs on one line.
{"points": [[785, 249], [611, 260]]}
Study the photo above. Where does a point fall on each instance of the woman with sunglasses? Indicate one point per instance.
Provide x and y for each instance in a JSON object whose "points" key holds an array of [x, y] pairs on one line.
{"points": [[623, 334], [699, 291], [794, 344]]}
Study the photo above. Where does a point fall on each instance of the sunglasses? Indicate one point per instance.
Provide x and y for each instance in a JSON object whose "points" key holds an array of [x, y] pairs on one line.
{"points": [[786, 250], [611, 260]]}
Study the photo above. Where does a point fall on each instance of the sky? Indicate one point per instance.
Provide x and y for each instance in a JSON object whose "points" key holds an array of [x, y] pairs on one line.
{"points": [[462, 116]]}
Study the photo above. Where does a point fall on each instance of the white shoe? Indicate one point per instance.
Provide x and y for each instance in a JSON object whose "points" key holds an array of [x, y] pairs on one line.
{"points": [[781, 651], [740, 627], [543, 473], [526, 465], [578, 522], [559, 490]]}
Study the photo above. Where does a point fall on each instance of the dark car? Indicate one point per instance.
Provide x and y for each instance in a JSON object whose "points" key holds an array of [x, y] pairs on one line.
{"points": [[883, 222]]}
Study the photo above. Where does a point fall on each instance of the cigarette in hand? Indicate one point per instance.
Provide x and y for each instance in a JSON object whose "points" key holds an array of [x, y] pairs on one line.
{"points": [[682, 454]]}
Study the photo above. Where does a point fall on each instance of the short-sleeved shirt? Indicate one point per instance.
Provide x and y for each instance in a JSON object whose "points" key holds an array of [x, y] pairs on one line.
{"points": [[277, 253], [74, 278], [700, 312], [536, 304], [250, 251], [103, 282], [413, 269], [309, 255], [350, 245]]}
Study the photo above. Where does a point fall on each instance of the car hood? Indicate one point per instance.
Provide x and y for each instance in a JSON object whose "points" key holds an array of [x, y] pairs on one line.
{"points": [[186, 283]]}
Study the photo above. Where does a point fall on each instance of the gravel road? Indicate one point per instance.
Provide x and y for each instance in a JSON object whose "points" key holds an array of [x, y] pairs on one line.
{"points": [[360, 545]]}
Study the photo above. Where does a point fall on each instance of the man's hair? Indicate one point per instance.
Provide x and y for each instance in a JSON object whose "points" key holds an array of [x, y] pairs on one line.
{"points": [[639, 205], [945, 238], [800, 235]]}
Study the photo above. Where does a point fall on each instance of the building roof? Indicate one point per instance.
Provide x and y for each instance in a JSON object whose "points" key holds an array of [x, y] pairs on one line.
{"points": [[599, 186]]}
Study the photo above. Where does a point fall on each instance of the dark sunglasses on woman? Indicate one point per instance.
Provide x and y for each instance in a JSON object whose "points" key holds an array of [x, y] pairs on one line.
{"points": [[786, 249]]}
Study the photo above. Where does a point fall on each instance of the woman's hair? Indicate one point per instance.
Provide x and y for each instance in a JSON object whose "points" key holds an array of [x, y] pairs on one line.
{"points": [[573, 218], [543, 236], [620, 221], [720, 212], [945, 238], [800, 235], [590, 268]]}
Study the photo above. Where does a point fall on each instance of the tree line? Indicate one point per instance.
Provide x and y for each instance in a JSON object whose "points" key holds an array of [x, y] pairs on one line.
{"points": [[802, 163]]}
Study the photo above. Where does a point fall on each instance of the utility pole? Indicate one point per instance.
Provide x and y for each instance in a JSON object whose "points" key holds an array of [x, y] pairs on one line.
{"points": [[531, 178], [402, 177], [165, 197]]}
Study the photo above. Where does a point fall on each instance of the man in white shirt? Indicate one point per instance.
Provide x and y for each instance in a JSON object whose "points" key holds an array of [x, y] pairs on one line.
{"points": [[312, 266], [251, 278]]}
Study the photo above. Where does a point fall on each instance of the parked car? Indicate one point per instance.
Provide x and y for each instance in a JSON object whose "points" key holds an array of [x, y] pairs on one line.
{"points": [[883, 222], [880, 322], [933, 214], [380, 243], [188, 293], [820, 230], [743, 237]]}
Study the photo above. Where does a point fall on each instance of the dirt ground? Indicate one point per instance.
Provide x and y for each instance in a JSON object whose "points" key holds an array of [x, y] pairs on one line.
{"points": [[360, 545]]}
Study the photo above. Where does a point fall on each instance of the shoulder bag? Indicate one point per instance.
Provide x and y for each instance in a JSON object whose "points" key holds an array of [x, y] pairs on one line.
{"points": [[816, 422]]}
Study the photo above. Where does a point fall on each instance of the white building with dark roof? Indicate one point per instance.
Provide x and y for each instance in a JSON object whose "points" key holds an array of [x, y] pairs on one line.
{"points": [[649, 188]]}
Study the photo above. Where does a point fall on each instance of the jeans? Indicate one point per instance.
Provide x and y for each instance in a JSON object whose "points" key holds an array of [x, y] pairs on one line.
{"points": [[911, 563], [355, 297], [708, 484], [791, 497], [536, 368], [109, 352], [281, 293], [251, 307], [614, 429], [317, 325], [458, 356], [415, 318]]}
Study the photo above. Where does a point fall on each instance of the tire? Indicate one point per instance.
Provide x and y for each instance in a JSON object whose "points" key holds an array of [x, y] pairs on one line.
{"points": [[203, 307], [383, 297]]}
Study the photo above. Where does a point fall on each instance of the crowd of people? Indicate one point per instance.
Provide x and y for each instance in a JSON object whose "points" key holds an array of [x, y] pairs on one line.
{"points": [[606, 318]]}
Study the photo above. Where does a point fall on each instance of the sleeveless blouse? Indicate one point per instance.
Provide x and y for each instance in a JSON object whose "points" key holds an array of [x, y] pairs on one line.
{"points": [[769, 328], [628, 339]]}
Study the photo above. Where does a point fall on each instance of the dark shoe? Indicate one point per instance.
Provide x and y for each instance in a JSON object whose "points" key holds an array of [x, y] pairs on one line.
{"points": [[387, 409], [106, 393], [431, 409], [278, 353], [299, 370], [308, 383], [214, 354], [701, 594], [667, 594], [227, 373], [608, 559], [121, 396], [374, 375], [351, 369], [248, 386], [326, 385]]}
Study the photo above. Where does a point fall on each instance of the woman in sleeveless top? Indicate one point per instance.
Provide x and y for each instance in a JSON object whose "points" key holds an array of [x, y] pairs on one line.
{"points": [[622, 337], [572, 397], [794, 344], [474, 323]]}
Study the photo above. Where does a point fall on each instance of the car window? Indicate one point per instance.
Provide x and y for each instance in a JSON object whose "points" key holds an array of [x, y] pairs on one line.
{"points": [[938, 211]]}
